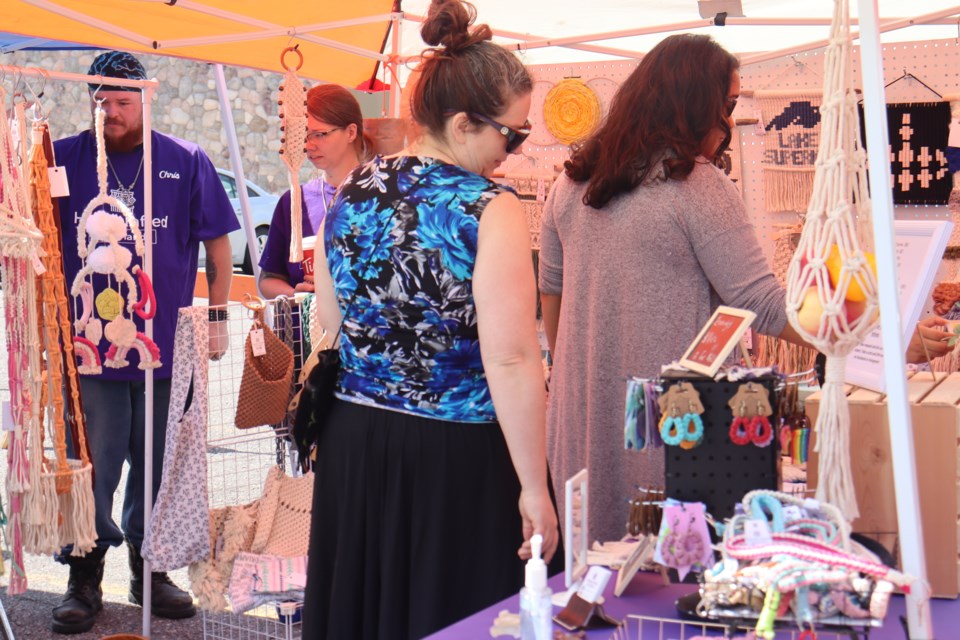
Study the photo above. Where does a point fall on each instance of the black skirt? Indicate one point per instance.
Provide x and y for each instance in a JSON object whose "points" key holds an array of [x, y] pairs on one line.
{"points": [[415, 525]]}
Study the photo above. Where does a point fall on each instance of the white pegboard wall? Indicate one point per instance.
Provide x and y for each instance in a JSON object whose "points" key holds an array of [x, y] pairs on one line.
{"points": [[936, 63]]}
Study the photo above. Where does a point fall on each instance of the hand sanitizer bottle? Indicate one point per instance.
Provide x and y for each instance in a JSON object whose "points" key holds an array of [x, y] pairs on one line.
{"points": [[535, 607]]}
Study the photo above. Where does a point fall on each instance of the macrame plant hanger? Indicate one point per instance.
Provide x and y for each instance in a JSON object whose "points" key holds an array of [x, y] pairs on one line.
{"points": [[831, 266], [19, 251], [293, 124], [70, 513]]}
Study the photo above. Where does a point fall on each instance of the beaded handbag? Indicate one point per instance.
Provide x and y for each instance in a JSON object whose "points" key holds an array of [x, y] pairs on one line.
{"points": [[265, 385]]}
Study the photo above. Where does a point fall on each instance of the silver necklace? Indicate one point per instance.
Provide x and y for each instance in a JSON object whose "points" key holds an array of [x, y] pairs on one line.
{"points": [[123, 193]]}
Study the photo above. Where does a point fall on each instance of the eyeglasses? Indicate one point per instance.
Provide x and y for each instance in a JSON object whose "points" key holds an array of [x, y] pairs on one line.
{"points": [[731, 105], [515, 137], [317, 136]]}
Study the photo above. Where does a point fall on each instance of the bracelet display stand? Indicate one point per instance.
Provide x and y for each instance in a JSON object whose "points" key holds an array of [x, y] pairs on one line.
{"points": [[718, 472]]}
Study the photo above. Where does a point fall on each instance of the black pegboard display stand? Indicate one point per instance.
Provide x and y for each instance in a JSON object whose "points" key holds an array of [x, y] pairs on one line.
{"points": [[718, 472]]}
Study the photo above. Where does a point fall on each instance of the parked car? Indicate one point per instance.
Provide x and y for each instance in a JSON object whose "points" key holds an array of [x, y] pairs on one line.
{"points": [[262, 204]]}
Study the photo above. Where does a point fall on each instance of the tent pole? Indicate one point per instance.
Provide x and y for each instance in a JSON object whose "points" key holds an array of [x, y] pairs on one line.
{"points": [[148, 426], [515, 35], [226, 115], [898, 408], [83, 18], [394, 64], [890, 25]]}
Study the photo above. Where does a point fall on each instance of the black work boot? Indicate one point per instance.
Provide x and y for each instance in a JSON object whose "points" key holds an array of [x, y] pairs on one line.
{"points": [[84, 598], [167, 600]]}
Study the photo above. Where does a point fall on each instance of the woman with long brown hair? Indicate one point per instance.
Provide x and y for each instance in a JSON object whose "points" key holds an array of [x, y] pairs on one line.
{"points": [[645, 236]]}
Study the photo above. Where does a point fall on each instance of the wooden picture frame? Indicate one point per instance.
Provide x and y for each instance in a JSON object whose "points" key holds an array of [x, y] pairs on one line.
{"points": [[576, 529], [919, 247], [716, 340]]}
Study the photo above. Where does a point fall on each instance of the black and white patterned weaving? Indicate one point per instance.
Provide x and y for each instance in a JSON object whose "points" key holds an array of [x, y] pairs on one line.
{"points": [[918, 133]]}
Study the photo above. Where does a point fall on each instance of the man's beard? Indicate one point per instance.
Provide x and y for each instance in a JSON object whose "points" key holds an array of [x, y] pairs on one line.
{"points": [[126, 142]]}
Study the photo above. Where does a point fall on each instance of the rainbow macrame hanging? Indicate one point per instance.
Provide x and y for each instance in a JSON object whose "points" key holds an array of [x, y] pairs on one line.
{"points": [[831, 281], [99, 233]]}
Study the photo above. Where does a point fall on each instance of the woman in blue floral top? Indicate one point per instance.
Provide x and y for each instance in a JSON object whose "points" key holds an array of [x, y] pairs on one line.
{"points": [[437, 434]]}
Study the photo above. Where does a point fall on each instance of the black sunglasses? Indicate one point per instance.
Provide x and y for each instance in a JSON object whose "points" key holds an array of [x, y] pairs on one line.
{"points": [[731, 105], [515, 137]]}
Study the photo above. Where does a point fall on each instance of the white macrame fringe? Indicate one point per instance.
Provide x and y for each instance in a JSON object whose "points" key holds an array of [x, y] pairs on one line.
{"points": [[41, 534], [833, 442], [78, 522], [296, 220], [787, 190]]}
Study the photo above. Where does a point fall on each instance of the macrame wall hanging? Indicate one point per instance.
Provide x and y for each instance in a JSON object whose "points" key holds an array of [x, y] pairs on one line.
{"points": [[769, 350], [792, 126], [831, 281], [19, 251], [293, 125], [98, 245], [61, 489]]}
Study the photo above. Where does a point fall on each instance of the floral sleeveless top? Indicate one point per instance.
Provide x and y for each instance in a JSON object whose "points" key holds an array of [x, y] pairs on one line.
{"points": [[409, 340]]}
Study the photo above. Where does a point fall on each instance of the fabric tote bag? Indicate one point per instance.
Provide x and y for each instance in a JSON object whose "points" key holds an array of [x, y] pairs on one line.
{"points": [[179, 528]]}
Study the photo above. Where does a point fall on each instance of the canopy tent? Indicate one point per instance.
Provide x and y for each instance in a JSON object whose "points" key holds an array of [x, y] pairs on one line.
{"points": [[342, 43], [552, 32]]}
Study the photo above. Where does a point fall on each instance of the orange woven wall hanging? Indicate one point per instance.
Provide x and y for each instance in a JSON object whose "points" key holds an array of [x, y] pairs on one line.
{"points": [[571, 111]]}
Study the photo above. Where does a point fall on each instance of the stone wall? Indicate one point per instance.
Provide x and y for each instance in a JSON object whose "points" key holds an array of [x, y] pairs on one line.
{"points": [[186, 105]]}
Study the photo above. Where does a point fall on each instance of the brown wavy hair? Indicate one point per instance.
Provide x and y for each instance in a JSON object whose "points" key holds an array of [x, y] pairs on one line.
{"points": [[464, 71], [672, 100], [334, 105]]}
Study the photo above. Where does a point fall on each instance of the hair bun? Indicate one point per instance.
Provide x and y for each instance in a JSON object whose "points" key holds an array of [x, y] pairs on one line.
{"points": [[448, 25]]}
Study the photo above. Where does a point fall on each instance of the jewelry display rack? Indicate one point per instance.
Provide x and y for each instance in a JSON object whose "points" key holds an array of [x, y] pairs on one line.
{"points": [[718, 472]]}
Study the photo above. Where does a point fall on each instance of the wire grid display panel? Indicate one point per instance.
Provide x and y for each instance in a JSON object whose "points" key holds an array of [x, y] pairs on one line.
{"points": [[238, 460], [262, 623], [636, 627], [936, 63]]}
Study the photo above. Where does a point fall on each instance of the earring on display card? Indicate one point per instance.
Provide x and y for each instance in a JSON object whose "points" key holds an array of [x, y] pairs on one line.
{"points": [[740, 427], [761, 431], [671, 426], [693, 428]]}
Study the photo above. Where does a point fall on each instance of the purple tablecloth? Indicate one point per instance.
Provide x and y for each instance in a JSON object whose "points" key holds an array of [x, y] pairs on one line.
{"points": [[647, 595]]}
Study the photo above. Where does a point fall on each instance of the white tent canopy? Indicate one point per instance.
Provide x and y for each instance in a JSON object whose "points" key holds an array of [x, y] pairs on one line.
{"points": [[786, 23]]}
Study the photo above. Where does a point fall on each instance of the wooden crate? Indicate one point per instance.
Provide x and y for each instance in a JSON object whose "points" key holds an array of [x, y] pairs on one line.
{"points": [[935, 414]]}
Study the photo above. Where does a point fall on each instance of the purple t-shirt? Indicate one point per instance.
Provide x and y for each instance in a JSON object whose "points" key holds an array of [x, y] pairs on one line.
{"points": [[276, 250], [189, 206]]}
